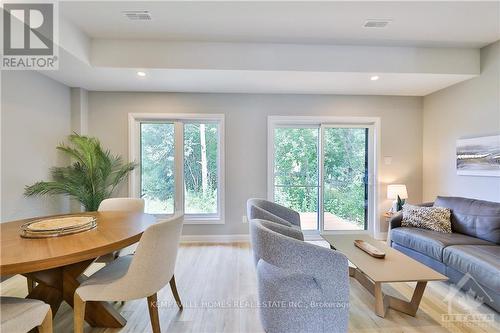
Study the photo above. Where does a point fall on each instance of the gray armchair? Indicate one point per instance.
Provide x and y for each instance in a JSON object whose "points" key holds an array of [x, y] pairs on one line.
{"points": [[302, 287], [270, 211], [280, 229]]}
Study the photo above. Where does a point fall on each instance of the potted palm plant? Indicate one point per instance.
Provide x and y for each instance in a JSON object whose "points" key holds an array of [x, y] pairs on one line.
{"points": [[92, 177]]}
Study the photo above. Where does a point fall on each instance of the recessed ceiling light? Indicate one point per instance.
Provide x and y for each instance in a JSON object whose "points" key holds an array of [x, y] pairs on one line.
{"points": [[142, 74], [137, 15], [377, 23], [374, 78]]}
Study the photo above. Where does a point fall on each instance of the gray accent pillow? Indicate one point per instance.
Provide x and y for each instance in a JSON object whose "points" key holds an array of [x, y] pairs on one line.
{"points": [[261, 214], [432, 218]]}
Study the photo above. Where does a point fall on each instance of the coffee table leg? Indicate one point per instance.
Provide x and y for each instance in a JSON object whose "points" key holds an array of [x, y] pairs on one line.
{"points": [[58, 284], [381, 300], [410, 307]]}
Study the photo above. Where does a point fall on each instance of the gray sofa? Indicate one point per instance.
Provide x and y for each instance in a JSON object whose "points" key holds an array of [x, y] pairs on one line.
{"points": [[472, 248]]}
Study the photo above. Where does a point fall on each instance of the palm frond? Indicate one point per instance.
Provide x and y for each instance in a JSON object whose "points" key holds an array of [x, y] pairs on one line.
{"points": [[92, 177]]}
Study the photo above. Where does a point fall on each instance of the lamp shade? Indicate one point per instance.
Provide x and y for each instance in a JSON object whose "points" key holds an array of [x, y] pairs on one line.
{"points": [[395, 190]]}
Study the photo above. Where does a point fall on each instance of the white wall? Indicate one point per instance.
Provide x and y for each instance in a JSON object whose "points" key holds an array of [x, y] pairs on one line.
{"points": [[35, 118], [468, 109], [246, 136]]}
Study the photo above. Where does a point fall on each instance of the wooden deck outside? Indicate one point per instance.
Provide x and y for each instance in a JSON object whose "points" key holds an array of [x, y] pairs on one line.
{"points": [[332, 222]]}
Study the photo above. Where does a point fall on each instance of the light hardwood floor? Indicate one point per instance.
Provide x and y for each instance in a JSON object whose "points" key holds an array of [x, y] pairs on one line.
{"points": [[217, 286]]}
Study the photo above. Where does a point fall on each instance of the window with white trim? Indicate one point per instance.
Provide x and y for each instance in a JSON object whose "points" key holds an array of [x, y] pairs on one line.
{"points": [[181, 164], [325, 168]]}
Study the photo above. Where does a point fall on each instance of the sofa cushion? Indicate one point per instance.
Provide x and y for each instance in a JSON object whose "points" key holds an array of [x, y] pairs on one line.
{"points": [[422, 258], [431, 243], [482, 262], [476, 218]]}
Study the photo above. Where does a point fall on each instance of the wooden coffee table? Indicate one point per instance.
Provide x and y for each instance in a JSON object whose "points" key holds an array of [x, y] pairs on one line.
{"points": [[395, 267]]}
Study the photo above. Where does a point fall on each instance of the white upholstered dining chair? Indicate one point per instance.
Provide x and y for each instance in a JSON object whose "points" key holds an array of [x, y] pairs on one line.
{"points": [[120, 204], [112, 204], [22, 315], [138, 276]]}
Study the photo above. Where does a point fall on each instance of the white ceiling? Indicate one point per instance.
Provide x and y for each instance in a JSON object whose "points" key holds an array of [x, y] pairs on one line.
{"points": [[439, 23], [244, 81], [274, 47]]}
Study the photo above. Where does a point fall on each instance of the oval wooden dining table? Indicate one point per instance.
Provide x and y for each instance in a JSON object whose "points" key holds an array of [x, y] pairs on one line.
{"points": [[57, 263]]}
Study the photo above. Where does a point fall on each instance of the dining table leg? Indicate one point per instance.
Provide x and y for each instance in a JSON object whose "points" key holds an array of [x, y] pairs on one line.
{"points": [[58, 284]]}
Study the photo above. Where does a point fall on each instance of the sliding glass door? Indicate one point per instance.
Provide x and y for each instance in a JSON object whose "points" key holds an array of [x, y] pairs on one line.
{"points": [[345, 178], [322, 171], [296, 172]]}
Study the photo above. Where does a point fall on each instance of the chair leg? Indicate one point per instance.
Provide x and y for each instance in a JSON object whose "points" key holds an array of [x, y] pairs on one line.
{"points": [[153, 313], [46, 325], [31, 284], [79, 313], [173, 287]]}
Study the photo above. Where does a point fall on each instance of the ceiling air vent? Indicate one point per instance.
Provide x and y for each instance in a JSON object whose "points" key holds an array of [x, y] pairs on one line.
{"points": [[377, 23], [137, 15]]}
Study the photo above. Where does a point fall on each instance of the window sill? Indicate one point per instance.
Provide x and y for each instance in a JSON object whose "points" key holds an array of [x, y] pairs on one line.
{"points": [[203, 221]]}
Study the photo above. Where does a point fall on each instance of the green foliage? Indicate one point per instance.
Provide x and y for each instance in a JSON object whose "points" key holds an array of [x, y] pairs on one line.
{"points": [[197, 200], [296, 170], [199, 203], [157, 167], [91, 178], [192, 158], [345, 173]]}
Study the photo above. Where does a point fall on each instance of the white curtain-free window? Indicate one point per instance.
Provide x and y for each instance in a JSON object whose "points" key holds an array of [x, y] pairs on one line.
{"points": [[181, 164]]}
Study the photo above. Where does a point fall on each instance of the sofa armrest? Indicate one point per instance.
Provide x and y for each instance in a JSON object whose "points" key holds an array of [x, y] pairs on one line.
{"points": [[395, 221]]}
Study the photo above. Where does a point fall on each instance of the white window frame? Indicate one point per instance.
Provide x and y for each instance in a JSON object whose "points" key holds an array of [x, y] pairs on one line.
{"points": [[178, 119], [321, 122]]}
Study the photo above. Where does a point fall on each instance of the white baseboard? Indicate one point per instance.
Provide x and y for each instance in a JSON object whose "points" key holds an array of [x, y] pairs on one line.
{"points": [[215, 238], [246, 238]]}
